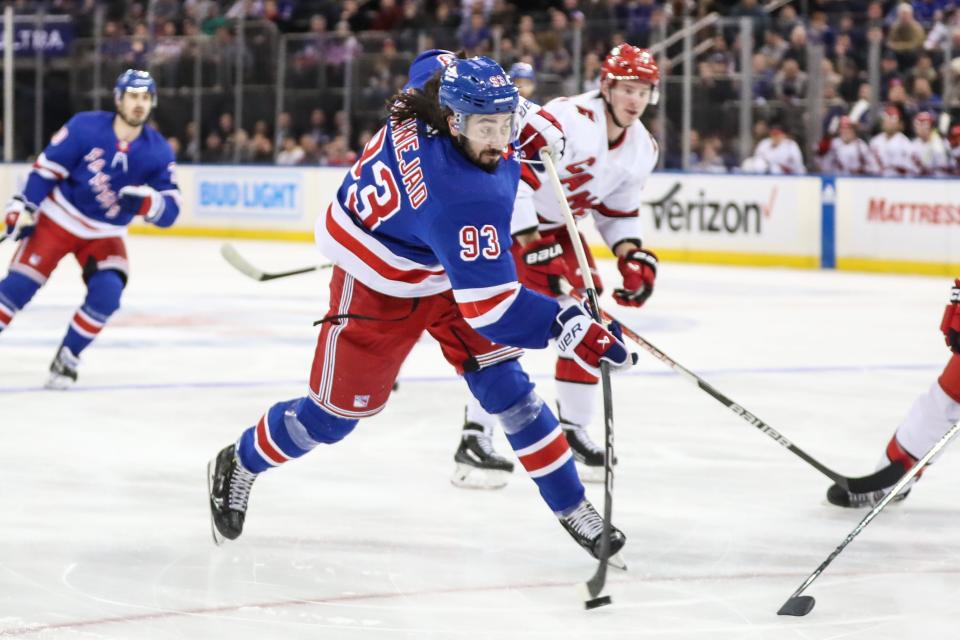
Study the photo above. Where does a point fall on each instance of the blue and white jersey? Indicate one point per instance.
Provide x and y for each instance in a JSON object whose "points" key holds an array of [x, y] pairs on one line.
{"points": [[76, 179], [414, 217]]}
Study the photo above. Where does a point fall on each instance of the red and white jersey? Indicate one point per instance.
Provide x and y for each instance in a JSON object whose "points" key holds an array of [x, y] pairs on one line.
{"points": [[852, 158], [932, 158], [783, 158], [894, 153], [955, 160], [602, 179]]}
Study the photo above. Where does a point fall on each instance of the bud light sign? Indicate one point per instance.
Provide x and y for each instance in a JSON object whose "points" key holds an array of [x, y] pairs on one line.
{"points": [[263, 194]]}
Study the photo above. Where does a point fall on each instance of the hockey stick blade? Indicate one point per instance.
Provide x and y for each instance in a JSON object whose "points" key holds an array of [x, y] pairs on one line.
{"points": [[592, 600], [241, 264], [797, 606]]}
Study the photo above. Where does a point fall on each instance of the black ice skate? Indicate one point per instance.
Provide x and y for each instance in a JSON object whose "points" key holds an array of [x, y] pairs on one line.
{"points": [[478, 465], [63, 370], [229, 484], [585, 526], [588, 454], [840, 497]]}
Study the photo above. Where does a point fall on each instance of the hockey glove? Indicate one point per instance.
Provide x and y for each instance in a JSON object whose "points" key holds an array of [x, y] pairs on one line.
{"points": [[950, 325], [20, 219], [141, 200], [539, 129], [541, 265], [588, 342], [639, 270]]}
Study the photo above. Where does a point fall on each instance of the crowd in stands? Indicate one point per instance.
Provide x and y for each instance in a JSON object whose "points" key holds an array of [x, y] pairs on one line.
{"points": [[919, 41]]}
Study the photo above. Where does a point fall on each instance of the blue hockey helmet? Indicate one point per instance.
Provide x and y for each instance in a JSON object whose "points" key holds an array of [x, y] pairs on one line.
{"points": [[425, 65], [136, 81], [479, 87], [522, 71]]}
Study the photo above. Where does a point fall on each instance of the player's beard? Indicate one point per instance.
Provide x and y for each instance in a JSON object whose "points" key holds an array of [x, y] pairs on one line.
{"points": [[487, 159], [131, 118]]}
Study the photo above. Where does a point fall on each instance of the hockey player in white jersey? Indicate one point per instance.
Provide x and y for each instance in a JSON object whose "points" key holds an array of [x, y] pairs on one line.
{"points": [[930, 153], [848, 154], [777, 154], [893, 150], [608, 157], [931, 416]]}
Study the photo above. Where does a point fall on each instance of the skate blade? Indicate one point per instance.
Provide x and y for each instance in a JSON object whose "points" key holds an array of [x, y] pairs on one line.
{"points": [[58, 383], [617, 561], [217, 538], [469, 477]]}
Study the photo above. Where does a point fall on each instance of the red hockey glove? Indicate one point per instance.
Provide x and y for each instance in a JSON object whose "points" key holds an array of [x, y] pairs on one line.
{"points": [[141, 200], [639, 269], [950, 325], [541, 266], [19, 219], [588, 342], [539, 129]]}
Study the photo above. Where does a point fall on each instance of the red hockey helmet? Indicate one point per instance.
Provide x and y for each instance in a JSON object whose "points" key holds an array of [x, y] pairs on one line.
{"points": [[627, 62]]}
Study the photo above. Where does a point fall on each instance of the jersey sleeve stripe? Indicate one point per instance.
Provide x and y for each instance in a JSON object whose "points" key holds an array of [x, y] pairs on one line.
{"points": [[604, 210], [49, 169], [371, 252], [482, 313]]}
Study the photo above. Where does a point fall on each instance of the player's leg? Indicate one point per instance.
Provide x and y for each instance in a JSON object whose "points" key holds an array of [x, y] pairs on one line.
{"points": [[504, 390], [105, 269], [356, 361], [478, 465], [931, 415], [34, 260], [578, 391]]}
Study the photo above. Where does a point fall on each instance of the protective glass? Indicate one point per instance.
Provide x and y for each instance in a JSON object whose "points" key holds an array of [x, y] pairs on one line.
{"points": [[490, 129]]}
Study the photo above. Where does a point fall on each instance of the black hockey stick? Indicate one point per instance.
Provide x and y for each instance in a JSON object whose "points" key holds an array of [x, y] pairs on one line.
{"points": [[873, 482], [241, 264], [798, 605], [594, 586]]}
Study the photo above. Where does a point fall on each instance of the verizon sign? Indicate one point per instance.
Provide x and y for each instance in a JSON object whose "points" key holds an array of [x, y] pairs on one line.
{"points": [[905, 220], [732, 214]]}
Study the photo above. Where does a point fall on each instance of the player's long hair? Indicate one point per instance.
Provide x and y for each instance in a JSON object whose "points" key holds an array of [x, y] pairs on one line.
{"points": [[423, 105]]}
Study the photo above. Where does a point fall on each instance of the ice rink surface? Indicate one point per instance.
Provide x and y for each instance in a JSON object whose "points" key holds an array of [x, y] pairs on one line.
{"points": [[105, 530]]}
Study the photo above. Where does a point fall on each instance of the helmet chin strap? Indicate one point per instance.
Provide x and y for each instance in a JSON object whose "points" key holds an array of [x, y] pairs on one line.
{"points": [[609, 108]]}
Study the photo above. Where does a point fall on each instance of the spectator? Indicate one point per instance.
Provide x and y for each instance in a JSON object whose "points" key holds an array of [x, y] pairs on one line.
{"points": [[284, 129], [338, 152], [774, 48], [849, 80], [860, 112], [475, 36], [790, 83], [906, 35], [213, 149], [787, 21], [711, 160], [388, 17], [192, 145], [924, 98], [797, 49], [525, 78], [319, 130], [174, 143], [777, 154], [889, 73], [262, 148], [291, 153], [762, 79], [311, 152]]}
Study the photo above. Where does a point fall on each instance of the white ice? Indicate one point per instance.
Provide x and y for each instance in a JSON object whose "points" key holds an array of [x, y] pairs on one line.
{"points": [[105, 530]]}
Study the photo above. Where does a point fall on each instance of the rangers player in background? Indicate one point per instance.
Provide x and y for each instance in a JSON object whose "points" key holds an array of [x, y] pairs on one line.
{"points": [[893, 150], [525, 78], [608, 157], [848, 154], [100, 171], [930, 152], [930, 417], [415, 249]]}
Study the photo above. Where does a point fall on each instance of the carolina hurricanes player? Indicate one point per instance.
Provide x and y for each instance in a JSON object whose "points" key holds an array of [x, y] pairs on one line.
{"points": [[848, 154], [930, 153], [100, 171], [608, 157], [893, 150], [931, 416], [779, 154]]}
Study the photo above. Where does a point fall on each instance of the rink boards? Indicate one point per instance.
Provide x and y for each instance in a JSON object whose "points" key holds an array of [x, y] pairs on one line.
{"points": [[889, 225]]}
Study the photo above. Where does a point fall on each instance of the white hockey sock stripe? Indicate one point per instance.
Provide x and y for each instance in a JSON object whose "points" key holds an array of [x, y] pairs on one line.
{"points": [[262, 443]]}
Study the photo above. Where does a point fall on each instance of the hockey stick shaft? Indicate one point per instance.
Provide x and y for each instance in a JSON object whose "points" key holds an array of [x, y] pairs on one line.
{"points": [[596, 583], [244, 266], [863, 484], [897, 488]]}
